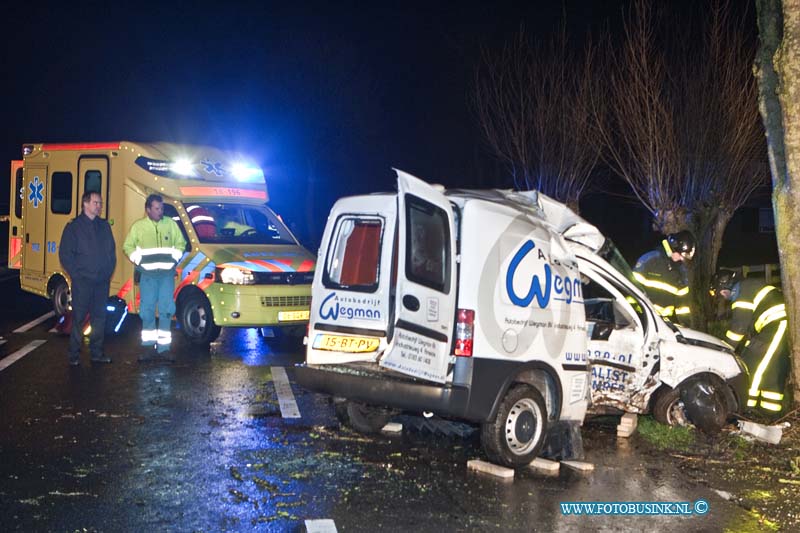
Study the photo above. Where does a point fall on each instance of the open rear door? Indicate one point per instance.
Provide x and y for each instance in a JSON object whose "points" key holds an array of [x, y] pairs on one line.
{"points": [[426, 282], [15, 217]]}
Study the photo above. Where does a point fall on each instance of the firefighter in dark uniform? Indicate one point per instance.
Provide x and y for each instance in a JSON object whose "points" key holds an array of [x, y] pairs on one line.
{"points": [[758, 331], [663, 274]]}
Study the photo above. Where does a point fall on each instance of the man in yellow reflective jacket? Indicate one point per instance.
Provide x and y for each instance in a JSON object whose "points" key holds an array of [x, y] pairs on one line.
{"points": [[662, 273], [155, 244], [758, 331]]}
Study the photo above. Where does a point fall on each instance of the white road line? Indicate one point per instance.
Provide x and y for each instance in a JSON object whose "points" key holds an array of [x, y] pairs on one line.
{"points": [[324, 525], [283, 389], [33, 323], [19, 354]]}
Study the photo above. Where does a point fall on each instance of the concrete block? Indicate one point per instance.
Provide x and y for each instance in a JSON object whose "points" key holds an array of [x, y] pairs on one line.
{"points": [[580, 466], [392, 427], [545, 465], [629, 420], [491, 469], [627, 425], [624, 433]]}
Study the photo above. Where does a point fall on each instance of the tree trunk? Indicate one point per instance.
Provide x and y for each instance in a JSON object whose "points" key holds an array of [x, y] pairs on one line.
{"points": [[778, 73], [709, 228]]}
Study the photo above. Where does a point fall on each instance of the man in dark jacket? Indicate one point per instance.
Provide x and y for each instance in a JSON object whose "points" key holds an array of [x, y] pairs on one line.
{"points": [[88, 254]]}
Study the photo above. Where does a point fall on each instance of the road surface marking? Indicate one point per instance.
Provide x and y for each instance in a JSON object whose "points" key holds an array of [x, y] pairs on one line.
{"points": [[33, 323], [283, 389], [3, 341], [19, 354], [325, 525]]}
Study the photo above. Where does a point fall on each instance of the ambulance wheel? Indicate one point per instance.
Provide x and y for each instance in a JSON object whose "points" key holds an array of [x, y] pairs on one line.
{"points": [[59, 296], [517, 433], [196, 319], [365, 418], [669, 409]]}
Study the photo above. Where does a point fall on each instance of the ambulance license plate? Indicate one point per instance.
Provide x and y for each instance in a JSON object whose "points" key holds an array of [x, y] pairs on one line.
{"points": [[287, 316], [339, 343]]}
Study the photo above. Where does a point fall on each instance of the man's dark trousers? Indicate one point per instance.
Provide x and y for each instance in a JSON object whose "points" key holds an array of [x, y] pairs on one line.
{"points": [[88, 297]]}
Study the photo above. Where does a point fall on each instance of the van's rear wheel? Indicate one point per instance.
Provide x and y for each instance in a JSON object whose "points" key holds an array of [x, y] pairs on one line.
{"points": [[364, 418], [517, 433], [196, 319], [60, 296]]}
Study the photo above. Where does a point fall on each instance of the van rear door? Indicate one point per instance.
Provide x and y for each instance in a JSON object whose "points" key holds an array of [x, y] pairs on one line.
{"points": [[425, 302]]}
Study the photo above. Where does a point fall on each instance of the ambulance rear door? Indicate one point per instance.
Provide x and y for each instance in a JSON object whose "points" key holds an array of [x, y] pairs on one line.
{"points": [[15, 216], [33, 219], [425, 304]]}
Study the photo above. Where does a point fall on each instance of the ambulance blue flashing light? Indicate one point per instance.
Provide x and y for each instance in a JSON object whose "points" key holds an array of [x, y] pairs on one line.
{"points": [[243, 172]]}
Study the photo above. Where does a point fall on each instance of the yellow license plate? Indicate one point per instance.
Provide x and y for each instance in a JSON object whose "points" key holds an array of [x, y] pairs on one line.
{"points": [[339, 343], [287, 316]]}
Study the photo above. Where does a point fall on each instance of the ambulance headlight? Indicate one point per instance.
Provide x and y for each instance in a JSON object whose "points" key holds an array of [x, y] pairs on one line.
{"points": [[243, 172], [236, 276]]}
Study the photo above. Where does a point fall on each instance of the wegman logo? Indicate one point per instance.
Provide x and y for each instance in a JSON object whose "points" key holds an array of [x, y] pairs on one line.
{"points": [[544, 287], [332, 309]]}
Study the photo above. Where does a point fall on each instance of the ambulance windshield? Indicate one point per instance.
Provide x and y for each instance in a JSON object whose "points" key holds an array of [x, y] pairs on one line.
{"points": [[228, 223]]}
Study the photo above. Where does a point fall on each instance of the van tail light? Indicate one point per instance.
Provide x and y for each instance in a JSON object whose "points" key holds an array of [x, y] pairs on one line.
{"points": [[465, 328]]}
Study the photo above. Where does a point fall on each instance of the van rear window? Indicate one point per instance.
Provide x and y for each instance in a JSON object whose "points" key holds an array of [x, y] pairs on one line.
{"points": [[353, 260], [427, 245]]}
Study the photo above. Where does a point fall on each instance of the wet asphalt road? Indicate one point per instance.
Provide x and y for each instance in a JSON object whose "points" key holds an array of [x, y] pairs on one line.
{"points": [[201, 446]]}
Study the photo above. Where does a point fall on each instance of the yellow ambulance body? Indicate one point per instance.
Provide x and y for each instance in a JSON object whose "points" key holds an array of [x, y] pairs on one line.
{"points": [[242, 266]]}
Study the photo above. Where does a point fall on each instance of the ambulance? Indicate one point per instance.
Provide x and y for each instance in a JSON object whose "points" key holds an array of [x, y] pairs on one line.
{"points": [[503, 309], [242, 267]]}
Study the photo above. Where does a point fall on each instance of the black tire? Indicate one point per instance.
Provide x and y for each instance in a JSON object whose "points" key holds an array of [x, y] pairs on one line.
{"points": [[517, 434], [60, 296], [668, 408], [196, 320], [366, 418], [340, 410], [708, 410]]}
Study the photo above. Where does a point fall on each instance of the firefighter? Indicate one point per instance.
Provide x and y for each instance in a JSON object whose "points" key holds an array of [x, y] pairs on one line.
{"points": [[155, 244], [663, 274], [758, 330]]}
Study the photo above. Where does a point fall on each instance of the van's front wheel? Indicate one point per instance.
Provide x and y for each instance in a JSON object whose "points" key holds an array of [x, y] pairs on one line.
{"points": [[196, 320], [517, 433]]}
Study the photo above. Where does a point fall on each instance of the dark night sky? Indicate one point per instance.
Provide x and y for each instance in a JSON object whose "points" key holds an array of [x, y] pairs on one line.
{"points": [[339, 91]]}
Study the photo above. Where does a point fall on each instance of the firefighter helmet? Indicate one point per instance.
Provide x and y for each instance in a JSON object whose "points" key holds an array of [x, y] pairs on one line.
{"points": [[682, 242], [724, 280]]}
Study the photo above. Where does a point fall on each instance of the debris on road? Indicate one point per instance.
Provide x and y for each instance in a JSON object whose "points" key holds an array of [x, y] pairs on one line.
{"points": [[761, 432]]}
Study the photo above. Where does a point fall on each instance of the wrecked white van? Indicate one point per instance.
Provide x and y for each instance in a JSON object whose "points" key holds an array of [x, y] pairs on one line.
{"points": [[494, 307]]}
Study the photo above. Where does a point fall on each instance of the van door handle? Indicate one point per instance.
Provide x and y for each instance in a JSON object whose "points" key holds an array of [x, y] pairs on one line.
{"points": [[411, 302], [27, 238]]}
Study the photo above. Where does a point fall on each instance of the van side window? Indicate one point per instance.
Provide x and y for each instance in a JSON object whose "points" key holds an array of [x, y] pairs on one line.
{"points": [[61, 193], [428, 245], [353, 260]]}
